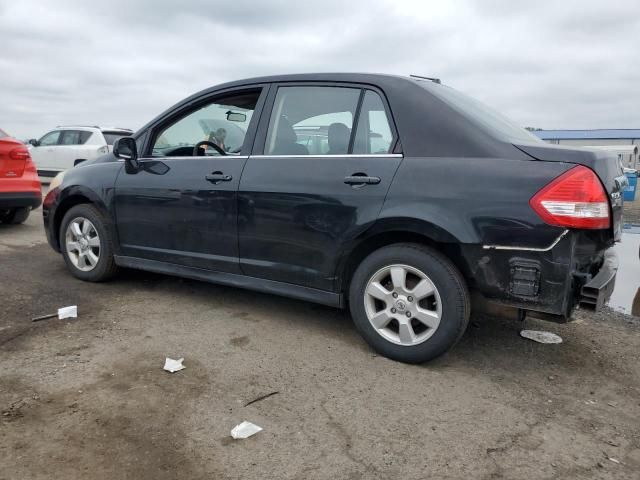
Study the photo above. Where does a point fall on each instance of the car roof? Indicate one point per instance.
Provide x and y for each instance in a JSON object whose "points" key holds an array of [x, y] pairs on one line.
{"points": [[427, 125], [93, 127], [365, 78]]}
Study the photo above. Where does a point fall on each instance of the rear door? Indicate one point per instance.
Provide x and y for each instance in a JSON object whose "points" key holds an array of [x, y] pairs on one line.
{"points": [[182, 207], [110, 137], [322, 166], [72, 148]]}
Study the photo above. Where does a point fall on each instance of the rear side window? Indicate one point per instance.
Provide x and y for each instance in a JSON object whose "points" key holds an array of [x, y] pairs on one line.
{"points": [[312, 121], [73, 137], [373, 135], [111, 137]]}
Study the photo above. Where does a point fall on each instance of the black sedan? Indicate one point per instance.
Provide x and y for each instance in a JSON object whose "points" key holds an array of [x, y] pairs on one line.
{"points": [[398, 197]]}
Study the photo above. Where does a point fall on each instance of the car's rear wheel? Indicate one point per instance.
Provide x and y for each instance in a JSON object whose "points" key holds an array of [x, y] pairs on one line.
{"points": [[86, 244], [409, 302], [15, 215]]}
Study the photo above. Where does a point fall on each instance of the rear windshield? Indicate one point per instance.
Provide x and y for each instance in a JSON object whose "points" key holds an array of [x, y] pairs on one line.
{"points": [[2, 134], [111, 137], [497, 124]]}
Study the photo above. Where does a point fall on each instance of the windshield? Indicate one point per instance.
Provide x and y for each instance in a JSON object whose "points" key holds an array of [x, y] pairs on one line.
{"points": [[3, 134], [497, 124]]}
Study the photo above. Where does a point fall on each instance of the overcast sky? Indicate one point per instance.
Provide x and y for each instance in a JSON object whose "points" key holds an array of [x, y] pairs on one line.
{"points": [[549, 64]]}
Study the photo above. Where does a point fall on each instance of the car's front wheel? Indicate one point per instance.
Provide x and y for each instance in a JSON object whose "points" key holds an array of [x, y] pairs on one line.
{"points": [[15, 215], [86, 244], [409, 302]]}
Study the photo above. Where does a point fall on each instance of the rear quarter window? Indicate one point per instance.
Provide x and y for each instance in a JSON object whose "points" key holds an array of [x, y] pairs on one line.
{"points": [[111, 137]]}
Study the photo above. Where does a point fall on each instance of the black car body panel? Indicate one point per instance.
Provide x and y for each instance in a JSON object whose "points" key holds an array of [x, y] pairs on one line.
{"points": [[291, 225]]}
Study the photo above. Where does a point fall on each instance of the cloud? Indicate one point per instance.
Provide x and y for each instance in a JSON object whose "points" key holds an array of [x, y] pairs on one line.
{"points": [[546, 64]]}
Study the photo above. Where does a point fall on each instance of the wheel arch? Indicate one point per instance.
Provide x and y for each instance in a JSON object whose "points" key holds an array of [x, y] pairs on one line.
{"points": [[74, 196], [393, 231]]}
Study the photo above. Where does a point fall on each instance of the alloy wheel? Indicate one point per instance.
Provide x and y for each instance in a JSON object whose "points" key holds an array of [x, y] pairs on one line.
{"points": [[403, 305], [82, 244]]}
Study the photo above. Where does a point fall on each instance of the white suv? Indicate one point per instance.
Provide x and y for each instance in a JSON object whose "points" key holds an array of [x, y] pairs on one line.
{"points": [[65, 147]]}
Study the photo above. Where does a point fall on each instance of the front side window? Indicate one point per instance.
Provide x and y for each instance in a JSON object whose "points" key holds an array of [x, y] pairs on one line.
{"points": [[312, 121], [223, 122], [373, 135], [50, 138]]}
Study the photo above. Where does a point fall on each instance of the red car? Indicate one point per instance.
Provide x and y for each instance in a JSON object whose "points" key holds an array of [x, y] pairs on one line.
{"points": [[19, 183]]}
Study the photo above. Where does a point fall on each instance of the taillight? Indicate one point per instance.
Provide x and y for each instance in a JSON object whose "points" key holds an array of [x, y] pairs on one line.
{"points": [[576, 199], [19, 153]]}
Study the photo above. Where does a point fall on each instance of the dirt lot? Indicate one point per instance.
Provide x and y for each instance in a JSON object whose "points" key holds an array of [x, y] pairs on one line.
{"points": [[88, 398]]}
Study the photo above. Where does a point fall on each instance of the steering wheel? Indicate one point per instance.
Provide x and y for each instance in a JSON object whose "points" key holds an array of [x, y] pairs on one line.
{"points": [[199, 152]]}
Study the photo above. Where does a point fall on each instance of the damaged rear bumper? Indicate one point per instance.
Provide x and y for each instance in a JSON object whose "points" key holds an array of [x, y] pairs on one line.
{"points": [[579, 268], [597, 291]]}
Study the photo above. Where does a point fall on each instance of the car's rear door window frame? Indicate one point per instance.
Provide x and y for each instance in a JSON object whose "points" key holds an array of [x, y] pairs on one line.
{"points": [[260, 139]]}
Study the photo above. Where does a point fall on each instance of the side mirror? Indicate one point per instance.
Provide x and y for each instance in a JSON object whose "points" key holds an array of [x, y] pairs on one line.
{"points": [[34, 142], [125, 149]]}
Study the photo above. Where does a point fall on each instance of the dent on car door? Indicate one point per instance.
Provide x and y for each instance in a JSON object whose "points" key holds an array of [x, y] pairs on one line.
{"points": [[318, 180], [182, 207]]}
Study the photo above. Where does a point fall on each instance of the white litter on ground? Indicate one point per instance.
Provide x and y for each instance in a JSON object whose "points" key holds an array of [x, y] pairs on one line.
{"points": [[68, 312], [244, 430], [540, 336], [171, 365], [64, 312]]}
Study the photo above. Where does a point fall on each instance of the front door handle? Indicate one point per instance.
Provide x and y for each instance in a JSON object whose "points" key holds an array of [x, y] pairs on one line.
{"points": [[217, 177], [361, 179]]}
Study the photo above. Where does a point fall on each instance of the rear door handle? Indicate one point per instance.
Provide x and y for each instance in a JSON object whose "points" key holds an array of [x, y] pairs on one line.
{"points": [[217, 177], [360, 179]]}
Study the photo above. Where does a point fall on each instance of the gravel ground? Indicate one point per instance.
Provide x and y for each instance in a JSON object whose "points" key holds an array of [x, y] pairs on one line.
{"points": [[87, 398], [632, 211]]}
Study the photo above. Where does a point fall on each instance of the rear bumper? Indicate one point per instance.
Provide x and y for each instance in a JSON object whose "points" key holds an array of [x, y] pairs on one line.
{"points": [[546, 283], [597, 291], [20, 199]]}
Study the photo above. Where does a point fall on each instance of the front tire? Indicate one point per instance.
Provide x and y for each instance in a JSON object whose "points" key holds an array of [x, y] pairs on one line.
{"points": [[15, 216], [409, 302], [86, 244]]}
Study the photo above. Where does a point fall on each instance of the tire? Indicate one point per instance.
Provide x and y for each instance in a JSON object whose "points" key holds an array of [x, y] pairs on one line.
{"points": [[434, 292], [15, 216], [94, 237]]}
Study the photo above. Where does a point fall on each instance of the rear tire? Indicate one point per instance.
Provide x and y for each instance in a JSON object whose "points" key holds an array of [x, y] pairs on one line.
{"points": [[15, 216], [409, 302], [86, 244]]}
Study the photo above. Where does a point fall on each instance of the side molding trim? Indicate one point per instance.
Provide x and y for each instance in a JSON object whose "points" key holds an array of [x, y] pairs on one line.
{"points": [[527, 249]]}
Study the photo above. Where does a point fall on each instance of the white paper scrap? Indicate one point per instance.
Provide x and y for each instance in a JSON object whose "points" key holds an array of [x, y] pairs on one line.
{"points": [[171, 365], [68, 312], [244, 430]]}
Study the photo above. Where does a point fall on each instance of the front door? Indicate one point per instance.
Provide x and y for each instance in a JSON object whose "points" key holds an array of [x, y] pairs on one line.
{"points": [[45, 154], [319, 181], [182, 207]]}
